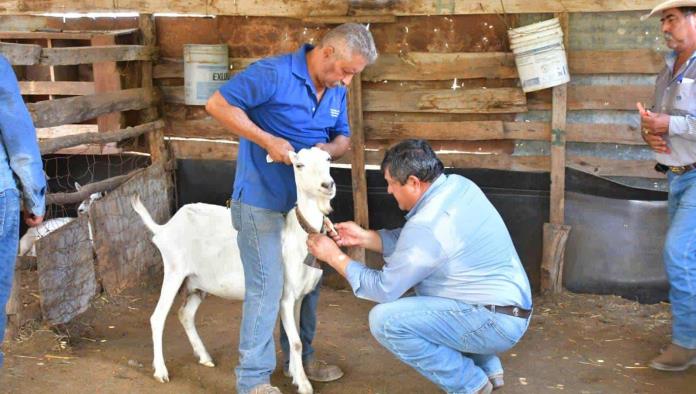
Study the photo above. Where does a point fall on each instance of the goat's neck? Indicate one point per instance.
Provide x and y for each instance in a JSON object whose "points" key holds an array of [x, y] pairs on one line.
{"points": [[312, 209]]}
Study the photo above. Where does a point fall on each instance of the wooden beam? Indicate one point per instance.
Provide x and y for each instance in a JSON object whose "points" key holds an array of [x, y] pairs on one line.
{"points": [[555, 233], [416, 66], [632, 61], [596, 97], [105, 185], [60, 88], [155, 140], [473, 160], [64, 130], [203, 149], [55, 144], [496, 100], [302, 8], [96, 54], [62, 35], [21, 54], [107, 78], [209, 128], [78, 109], [559, 110], [558, 149], [337, 20], [227, 150], [553, 255], [358, 174]]}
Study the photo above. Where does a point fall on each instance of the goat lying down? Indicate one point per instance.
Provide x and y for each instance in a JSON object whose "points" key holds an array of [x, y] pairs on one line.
{"points": [[199, 250]]}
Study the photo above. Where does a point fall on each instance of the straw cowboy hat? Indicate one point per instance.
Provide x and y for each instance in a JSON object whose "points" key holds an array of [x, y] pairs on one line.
{"points": [[667, 5]]}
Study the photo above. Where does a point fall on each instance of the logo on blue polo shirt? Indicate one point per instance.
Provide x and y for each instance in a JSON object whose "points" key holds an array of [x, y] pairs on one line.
{"points": [[334, 112]]}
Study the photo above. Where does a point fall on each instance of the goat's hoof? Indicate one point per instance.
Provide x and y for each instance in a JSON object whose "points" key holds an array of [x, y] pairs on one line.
{"points": [[162, 377], [207, 363]]}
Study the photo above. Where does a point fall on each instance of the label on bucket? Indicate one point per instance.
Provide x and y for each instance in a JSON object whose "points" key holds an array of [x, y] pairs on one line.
{"points": [[202, 80], [542, 69]]}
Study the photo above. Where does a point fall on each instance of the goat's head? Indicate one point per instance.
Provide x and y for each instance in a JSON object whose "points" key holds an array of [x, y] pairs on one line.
{"points": [[312, 176], [84, 205]]}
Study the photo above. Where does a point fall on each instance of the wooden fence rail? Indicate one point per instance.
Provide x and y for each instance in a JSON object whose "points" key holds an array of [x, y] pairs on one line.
{"points": [[29, 54], [78, 109]]}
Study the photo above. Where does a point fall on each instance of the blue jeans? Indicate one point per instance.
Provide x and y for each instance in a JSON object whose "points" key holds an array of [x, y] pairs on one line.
{"points": [[9, 234], [451, 343], [259, 240], [680, 257]]}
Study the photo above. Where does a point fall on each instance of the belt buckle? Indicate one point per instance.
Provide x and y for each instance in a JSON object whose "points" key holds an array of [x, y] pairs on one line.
{"points": [[678, 170], [516, 312]]}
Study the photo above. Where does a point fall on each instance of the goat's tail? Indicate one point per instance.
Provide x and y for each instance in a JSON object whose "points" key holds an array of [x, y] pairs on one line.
{"points": [[145, 215]]}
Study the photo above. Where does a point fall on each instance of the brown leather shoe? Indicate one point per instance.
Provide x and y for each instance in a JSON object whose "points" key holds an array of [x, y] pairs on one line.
{"points": [[319, 371], [674, 358]]}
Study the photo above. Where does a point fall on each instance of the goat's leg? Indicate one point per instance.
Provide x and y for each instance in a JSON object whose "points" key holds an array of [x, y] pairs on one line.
{"points": [[170, 286], [187, 317], [288, 308]]}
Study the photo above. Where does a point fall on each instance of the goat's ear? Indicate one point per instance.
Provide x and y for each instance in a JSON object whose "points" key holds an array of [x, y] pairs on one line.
{"points": [[293, 156], [77, 186]]}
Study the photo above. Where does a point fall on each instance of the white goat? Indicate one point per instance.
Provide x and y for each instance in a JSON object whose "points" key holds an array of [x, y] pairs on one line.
{"points": [[84, 205], [198, 247], [27, 244]]}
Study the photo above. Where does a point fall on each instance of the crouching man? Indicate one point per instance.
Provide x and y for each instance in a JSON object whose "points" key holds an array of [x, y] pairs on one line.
{"points": [[472, 298]]}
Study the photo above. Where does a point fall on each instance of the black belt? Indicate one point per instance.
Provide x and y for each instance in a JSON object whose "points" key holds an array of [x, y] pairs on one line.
{"points": [[679, 170], [510, 310]]}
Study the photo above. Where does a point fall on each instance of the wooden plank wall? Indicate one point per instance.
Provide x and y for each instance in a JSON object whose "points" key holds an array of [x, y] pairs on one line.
{"points": [[449, 79]]}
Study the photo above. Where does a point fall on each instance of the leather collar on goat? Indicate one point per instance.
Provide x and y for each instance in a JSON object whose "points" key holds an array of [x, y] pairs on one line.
{"points": [[326, 226], [305, 225]]}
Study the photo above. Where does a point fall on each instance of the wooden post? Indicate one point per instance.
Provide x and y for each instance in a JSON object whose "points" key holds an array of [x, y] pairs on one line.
{"points": [[107, 79], [155, 138], [359, 183], [13, 308], [357, 141], [555, 232]]}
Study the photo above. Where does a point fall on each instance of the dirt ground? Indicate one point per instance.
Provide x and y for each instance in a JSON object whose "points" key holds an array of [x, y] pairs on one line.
{"points": [[576, 343]]}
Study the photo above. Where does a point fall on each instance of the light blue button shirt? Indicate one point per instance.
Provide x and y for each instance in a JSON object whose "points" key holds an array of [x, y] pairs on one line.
{"points": [[675, 95], [19, 154], [454, 245]]}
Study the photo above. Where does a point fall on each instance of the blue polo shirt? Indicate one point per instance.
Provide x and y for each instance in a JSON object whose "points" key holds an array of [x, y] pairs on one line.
{"points": [[279, 96]]}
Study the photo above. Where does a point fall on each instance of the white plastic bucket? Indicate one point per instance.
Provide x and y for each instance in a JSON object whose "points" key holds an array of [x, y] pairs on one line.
{"points": [[540, 55], [206, 68]]}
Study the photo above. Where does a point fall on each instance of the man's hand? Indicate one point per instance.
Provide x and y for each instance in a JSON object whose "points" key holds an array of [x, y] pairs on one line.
{"points": [[322, 247], [32, 220], [278, 150], [349, 234], [653, 128]]}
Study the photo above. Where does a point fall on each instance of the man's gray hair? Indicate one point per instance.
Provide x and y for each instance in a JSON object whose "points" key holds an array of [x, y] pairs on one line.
{"points": [[356, 39], [412, 157]]}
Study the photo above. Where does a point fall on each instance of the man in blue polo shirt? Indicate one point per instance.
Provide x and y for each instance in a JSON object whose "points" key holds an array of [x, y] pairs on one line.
{"points": [[275, 106], [473, 298], [20, 160]]}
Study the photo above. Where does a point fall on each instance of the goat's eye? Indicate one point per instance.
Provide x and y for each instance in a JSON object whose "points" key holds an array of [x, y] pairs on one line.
{"points": [[299, 165]]}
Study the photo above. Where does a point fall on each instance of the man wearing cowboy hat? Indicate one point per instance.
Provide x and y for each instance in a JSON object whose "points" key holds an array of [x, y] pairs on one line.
{"points": [[670, 130]]}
